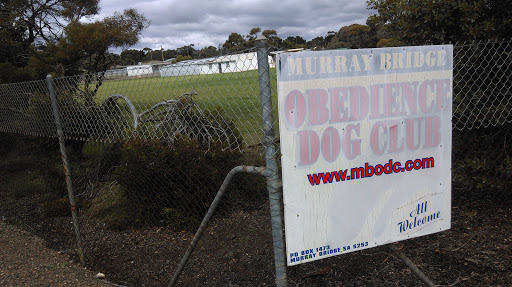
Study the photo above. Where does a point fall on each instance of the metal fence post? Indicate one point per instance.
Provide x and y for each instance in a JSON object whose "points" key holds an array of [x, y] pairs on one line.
{"points": [[65, 163], [273, 182]]}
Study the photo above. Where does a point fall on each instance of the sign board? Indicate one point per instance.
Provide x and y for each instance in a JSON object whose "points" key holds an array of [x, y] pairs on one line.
{"points": [[366, 147]]}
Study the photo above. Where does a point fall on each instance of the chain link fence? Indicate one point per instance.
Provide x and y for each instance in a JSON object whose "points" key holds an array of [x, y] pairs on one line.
{"points": [[482, 118], [148, 148]]}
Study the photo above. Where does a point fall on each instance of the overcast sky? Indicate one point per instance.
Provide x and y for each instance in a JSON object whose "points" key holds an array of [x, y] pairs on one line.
{"points": [[176, 23]]}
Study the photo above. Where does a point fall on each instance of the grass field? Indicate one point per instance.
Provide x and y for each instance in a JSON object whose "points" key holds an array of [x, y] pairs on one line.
{"points": [[235, 93]]}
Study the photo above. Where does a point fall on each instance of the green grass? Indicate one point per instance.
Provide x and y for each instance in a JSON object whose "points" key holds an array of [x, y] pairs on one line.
{"points": [[236, 93]]}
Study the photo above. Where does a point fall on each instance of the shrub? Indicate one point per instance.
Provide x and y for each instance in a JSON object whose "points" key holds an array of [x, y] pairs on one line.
{"points": [[110, 205], [171, 184], [482, 164], [174, 178], [56, 207]]}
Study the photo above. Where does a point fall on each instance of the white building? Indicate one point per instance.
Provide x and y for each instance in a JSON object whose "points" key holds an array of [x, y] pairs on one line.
{"points": [[218, 65], [139, 70]]}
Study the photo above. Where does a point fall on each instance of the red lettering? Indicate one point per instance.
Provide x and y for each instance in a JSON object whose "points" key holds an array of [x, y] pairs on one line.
{"points": [[374, 138], [432, 134], [388, 167], [413, 129], [396, 167], [295, 109], [309, 147], [351, 148], [409, 96], [379, 169], [423, 96], [331, 144], [390, 103], [318, 111], [443, 87], [338, 108], [368, 170], [358, 103], [393, 137], [375, 98], [314, 179], [341, 175]]}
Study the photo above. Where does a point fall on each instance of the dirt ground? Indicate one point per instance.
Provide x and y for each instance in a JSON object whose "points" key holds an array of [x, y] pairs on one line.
{"points": [[25, 261], [236, 250]]}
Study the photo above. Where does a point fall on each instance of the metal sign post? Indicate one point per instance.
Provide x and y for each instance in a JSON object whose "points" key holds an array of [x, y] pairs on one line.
{"points": [[273, 183]]}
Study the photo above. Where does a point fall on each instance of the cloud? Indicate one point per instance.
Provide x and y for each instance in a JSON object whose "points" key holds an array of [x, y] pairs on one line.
{"points": [[209, 23]]}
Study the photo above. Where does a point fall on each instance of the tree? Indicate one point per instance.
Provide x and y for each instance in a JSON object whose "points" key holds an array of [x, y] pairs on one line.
{"points": [[254, 32], [208, 52], [316, 43], [354, 36], [116, 58], [188, 51], [148, 51], [319, 43], [12, 33], [235, 42], [182, 58], [13, 51], [273, 39], [84, 46], [418, 22], [293, 42], [45, 19], [379, 30], [77, 9], [329, 37], [131, 57], [23, 24], [169, 54]]}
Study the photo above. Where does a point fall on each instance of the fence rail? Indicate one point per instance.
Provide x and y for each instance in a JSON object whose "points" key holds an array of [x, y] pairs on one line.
{"points": [[148, 154]]}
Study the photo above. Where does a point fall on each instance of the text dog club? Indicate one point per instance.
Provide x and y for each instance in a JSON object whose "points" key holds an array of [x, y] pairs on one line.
{"points": [[318, 114]]}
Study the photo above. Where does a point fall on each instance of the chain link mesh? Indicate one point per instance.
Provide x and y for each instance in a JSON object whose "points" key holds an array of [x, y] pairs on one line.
{"points": [[482, 120], [482, 81], [149, 147]]}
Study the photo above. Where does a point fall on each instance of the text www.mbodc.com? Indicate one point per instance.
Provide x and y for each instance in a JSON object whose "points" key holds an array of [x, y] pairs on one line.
{"points": [[369, 170]]}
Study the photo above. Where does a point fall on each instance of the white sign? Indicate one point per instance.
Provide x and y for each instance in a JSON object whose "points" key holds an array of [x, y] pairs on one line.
{"points": [[366, 147]]}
